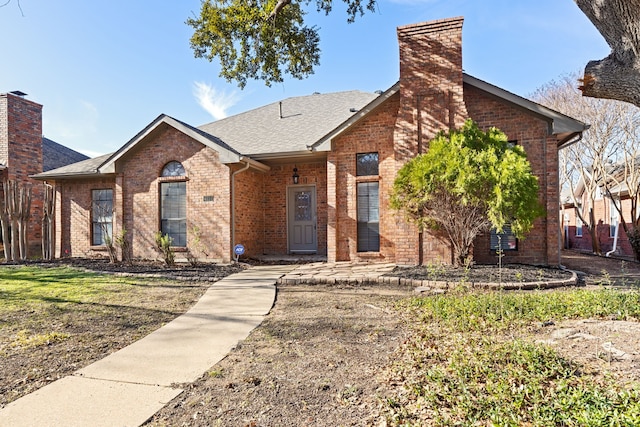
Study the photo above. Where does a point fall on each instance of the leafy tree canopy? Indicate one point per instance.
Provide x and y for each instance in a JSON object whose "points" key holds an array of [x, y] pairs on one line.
{"points": [[466, 183], [262, 39]]}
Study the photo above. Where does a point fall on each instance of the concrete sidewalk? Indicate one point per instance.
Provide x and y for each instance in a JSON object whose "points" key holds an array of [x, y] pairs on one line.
{"points": [[127, 387]]}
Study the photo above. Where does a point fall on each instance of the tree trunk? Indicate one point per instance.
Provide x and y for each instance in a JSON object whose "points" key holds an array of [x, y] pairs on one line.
{"points": [[593, 232], [618, 75], [48, 212]]}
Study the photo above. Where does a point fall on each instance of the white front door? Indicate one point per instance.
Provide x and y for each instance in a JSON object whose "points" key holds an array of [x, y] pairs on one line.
{"points": [[302, 219]]}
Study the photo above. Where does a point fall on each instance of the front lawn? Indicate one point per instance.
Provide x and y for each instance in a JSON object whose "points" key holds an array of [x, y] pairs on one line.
{"points": [[56, 320], [473, 360]]}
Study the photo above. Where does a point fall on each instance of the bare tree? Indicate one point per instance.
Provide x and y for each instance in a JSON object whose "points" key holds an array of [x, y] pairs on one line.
{"points": [[588, 162], [622, 184], [49, 208], [15, 211], [5, 223]]}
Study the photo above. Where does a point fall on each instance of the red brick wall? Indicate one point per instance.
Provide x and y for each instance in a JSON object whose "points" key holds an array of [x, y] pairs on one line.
{"points": [[73, 217], [372, 134], [21, 151], [138, 189], [276, 182], [603, 219], [250, 213], [206, 176], [431, 100], [541, 245]]}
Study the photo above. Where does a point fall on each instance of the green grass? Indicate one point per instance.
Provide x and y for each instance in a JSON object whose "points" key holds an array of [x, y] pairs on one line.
{"points": [[29, 287], [464, 365], [40, 306]]}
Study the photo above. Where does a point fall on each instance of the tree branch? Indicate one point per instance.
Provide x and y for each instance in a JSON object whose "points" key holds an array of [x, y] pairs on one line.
{"points": [[279, 6], [618, 75], [19, 6]]}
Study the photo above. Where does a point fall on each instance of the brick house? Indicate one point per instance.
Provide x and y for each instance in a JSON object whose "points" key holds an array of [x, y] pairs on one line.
{"points": [[605, 213], [309, 174], [24, 152]]}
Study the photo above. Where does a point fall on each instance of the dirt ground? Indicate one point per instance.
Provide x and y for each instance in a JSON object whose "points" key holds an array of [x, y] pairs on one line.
{"points": [[313, 362], [316, 359]]}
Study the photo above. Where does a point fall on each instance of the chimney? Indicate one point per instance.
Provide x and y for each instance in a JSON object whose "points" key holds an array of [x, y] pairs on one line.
{"points": [[21, 151], [431, 100], [431, 93], [20, 135]]}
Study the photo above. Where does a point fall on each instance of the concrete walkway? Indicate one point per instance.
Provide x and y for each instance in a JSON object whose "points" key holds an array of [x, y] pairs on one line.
{"points": [[340, 272], [127, 387]]}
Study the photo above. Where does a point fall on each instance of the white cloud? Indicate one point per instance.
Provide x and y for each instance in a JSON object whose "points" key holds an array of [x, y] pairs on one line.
{"points": [[213, 101]]}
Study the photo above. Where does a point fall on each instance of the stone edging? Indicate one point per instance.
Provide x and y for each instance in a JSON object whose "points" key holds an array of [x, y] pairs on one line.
{"points": [[425, 285]]}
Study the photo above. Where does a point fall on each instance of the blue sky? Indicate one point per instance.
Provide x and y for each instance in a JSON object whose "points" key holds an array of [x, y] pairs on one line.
{"points": [[103, 70]]}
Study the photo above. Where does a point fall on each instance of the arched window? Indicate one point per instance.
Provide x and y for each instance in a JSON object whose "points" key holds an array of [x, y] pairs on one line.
{"points": [[173, 169], [173, 205]]}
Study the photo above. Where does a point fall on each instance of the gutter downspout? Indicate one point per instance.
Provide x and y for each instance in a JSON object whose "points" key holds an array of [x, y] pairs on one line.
{"points": [[233, 203], [615, 242]]}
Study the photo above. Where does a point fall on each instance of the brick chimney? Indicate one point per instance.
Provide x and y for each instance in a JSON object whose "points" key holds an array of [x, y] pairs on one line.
{"points": [[20, 136], [431, 97], [431, 100], [21, 149]]}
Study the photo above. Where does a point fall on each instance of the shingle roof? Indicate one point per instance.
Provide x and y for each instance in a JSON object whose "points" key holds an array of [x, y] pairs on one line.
{"points": [[227, 154], [290, 125], [82, 168], [55, 155]]}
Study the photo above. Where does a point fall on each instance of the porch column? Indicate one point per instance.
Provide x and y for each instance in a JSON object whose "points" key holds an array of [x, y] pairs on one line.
{"points": [[58, 228], [332, 222], [118, 212]]}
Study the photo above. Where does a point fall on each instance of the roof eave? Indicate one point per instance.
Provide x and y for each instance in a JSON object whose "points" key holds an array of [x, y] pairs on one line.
{"points": [[282, 155], [226, 156], [81, 175], [560, 125]]}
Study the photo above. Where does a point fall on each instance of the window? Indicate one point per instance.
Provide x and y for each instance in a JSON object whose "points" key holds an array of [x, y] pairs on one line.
{"points": [[368, 217], [173, 169], [173, 211], [368, 202], [578, 223], [367, 164], [504, 241], [613, 222], [101, 216]]}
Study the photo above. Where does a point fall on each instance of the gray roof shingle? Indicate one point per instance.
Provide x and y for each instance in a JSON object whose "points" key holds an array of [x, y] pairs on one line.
{"points": [[82, 168], [55, 155], [290, 125]]}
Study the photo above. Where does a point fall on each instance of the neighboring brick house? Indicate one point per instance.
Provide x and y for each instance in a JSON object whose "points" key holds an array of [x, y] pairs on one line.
{"points": [[310, 174], [24, 152], [607, 218]]}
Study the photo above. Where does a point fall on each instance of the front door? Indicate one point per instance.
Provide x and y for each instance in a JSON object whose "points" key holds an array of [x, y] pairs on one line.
{"points": [[302, 219]]}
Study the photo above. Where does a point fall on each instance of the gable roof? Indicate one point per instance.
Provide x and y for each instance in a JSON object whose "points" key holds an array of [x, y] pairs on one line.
{"points": [[564, 127], [55, 155], [105, 164], [227, 154], [299, 126], [288, 126]]}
